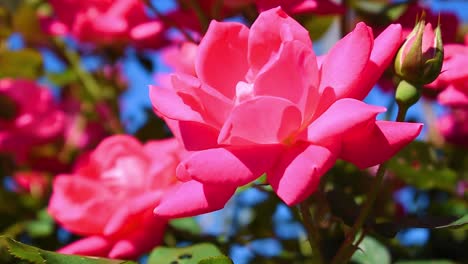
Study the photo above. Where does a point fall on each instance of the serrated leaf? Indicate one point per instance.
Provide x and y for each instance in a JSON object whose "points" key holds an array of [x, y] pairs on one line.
{"points": [[26, 63], [216, 260], [186, 255], [35, 255], [371, 251]]}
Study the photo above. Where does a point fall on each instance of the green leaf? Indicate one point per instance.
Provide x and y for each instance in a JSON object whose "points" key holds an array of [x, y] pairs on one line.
{"points": [[10, 5], [458, 224], [33, 255], [370, 252], [186, 255], [26, 63], [216, 260], [42, 226], [425, 262], [186, 224]]}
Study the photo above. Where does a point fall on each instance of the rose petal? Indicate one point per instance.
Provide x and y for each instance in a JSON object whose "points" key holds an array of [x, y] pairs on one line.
{"points": [[299, 170], [193, 198], [369, 147], [233, 166], [294, 67], [89, 246], [261, 120], [222, 56], [340, 70], [268, 32]]}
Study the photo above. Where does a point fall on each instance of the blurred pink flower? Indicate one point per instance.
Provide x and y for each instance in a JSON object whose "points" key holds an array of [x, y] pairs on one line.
{"points": [[107, 22], [261, 103], [28, 117], [32, 182], [110, 196], [453, 80], [454, 126], [323, 7]]}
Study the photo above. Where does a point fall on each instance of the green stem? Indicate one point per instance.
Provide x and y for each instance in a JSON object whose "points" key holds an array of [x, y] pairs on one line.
{"points": [[312, 232], [346, 249], [90, 85]]}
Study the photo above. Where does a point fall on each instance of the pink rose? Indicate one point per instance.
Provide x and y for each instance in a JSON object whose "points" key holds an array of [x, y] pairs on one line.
{"points": [[110, 197], [454, 126], [324, 7], [31, 182], [453, 79], [105, 22], [261, 103], [28, 116]]}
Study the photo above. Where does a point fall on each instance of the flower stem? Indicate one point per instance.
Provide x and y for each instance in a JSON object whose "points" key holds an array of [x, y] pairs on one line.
{"points": [[347, 249], [90, 85], [312, 232]]}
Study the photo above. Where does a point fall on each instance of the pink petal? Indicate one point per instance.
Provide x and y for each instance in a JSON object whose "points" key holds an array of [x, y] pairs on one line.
{"points": [[170, 105], [196, 136], [90, 246], [82, 198], [129, 210], [371, 146], [262, 120], [222, 56], [268, 32], [233, 166], [454, 96], [145, 238], [341, 118], [385, 47], [299, 170], [193, 198], [294, 67], [346, 61]]}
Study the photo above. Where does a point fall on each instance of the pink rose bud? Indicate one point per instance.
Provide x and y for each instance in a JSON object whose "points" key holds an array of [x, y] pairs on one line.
{"points": [[419, 60]]}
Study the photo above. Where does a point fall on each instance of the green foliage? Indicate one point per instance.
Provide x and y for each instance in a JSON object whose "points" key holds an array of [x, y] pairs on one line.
{"points": [[188, 255], [425, 262], [186, 224], [371, 251], [420, 165], [32, 255], [26, 63]]}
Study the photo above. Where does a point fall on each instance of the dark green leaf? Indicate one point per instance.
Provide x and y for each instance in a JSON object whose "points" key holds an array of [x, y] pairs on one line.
{"points": [[187, 255], [62, 78]]}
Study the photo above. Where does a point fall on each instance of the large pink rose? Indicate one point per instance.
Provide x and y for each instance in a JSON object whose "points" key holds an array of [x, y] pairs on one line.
{"points": [[105, 22], [111, 195], [262, 103], [28, 116]]}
